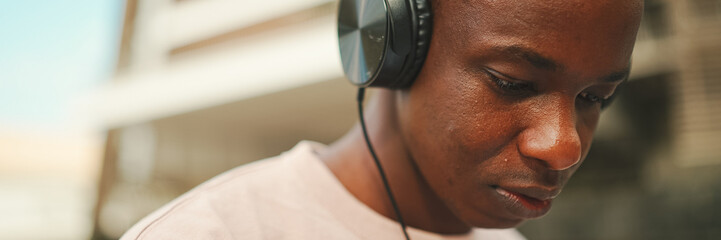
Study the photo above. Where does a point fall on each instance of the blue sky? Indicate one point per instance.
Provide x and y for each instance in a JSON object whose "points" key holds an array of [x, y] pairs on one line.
{"points": [[50, 53]]}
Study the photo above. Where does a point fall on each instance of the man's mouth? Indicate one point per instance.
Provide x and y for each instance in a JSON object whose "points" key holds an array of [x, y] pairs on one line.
{"points": [[526, 202]]}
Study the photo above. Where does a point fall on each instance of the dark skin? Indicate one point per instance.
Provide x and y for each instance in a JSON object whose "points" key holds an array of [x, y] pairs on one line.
{"points": [[508, 99]]}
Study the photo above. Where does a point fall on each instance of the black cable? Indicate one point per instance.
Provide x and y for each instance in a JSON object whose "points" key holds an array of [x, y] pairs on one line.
{"points": [[361, 95]]}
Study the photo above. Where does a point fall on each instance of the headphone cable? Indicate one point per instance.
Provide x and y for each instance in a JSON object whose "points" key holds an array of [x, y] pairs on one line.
{"points": [[361, 95]]}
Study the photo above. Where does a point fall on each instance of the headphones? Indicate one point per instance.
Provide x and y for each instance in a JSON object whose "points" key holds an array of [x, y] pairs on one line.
{"points": [[383, 43]]}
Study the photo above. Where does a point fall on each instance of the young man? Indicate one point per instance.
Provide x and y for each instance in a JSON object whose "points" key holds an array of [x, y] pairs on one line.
{"points": [[499, 118]]}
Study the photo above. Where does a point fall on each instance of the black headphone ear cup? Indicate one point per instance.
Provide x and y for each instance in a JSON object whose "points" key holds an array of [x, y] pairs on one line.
{"points": [[363, 28], [383, 43], [423, 20]]}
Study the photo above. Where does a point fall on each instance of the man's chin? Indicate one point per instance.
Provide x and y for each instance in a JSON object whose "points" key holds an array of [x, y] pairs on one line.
{"points": [[496, 223]]}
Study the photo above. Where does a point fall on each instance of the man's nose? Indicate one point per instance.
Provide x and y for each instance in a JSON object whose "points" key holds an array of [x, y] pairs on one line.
{"points": [[552, 137]]}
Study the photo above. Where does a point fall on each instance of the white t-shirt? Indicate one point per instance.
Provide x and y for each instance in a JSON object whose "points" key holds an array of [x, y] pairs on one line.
{"points": [[291, 196]]}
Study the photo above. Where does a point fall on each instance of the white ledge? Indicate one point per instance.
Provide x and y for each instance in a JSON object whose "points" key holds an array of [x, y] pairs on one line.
{"points": [[302, 54], [190, 22]]}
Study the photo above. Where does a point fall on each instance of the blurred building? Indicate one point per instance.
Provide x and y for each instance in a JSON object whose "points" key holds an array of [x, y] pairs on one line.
{"points": [[204, 86]]}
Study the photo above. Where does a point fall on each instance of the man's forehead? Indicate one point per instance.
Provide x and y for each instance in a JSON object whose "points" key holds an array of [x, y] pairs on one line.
{"points": [[549, 7], [534, 17], [473, 19]]}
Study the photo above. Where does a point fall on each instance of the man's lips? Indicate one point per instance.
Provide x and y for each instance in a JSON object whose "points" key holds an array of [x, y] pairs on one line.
{"points": [[527, 202], [533, 192]]}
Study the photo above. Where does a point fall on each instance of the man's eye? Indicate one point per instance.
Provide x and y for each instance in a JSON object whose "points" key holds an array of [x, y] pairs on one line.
{"points": [[508, 85], [591, 98]]}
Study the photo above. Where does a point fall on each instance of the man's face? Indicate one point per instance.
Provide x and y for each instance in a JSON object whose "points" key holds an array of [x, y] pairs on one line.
{"points": [[505, 107]]}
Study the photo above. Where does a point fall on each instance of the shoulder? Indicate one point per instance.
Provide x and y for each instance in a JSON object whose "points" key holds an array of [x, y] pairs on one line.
{"points": [[206, 211]]}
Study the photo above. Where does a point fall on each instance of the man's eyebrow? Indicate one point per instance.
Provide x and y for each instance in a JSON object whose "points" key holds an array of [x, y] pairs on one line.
{"points": [[538, 60], [534, 58]]}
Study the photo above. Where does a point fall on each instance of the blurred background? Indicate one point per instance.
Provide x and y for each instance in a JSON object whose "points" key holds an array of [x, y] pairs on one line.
{"points": [[109, 109]]}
